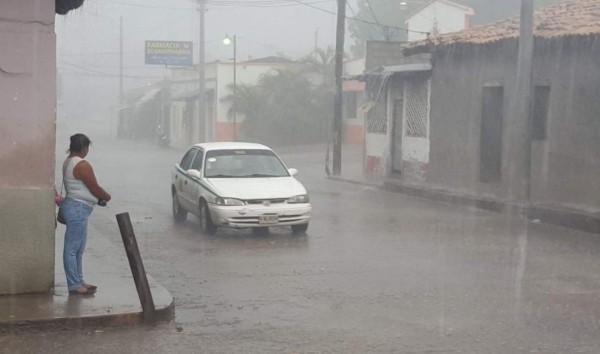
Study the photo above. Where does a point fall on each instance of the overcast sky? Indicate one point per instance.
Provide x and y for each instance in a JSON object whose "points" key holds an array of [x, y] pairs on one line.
{"points": [[88, 39]]}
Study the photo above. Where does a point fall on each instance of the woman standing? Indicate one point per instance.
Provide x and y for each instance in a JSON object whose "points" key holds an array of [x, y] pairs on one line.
{"points": [[83, 193]]}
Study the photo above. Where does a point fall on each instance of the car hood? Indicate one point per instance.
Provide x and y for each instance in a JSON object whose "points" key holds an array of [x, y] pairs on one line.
{"points": [[257, 188]]}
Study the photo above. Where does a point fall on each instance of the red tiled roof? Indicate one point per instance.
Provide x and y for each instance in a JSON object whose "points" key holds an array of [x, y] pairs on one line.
{"points": [[572, 18]]}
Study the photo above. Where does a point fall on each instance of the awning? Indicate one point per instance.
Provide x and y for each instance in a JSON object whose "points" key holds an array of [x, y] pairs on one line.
{"points": [[404, 68], [376, 80], [148, 96], [185, 96]]}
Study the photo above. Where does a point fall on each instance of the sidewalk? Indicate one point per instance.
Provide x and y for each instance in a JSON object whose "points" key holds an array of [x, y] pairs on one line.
{"points": [[352, 167], [116, 303], [352, 172]]}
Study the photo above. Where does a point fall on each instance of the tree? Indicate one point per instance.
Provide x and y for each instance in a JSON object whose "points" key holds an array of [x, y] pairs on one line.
{"points": [[247, 100], [284, 108], [381, 20], [321, 62]]}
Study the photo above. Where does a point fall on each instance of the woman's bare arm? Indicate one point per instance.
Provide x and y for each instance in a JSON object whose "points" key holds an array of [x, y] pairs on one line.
{"points": [[84, 172]]}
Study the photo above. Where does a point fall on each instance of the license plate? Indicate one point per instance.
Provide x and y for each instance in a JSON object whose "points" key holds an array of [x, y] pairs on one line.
{"points": [[268, 219]]}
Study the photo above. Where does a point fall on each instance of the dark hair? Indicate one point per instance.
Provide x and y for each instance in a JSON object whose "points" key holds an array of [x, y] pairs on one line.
{"points": [[79, 142]]}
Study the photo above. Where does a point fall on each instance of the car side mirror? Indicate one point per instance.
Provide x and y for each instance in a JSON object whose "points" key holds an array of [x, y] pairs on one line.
{"points": [[193, 173], [293, 171]]}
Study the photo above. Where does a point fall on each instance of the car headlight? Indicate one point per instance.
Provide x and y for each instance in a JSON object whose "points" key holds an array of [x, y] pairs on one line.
{"points": [[229, 201], [299, 199]]}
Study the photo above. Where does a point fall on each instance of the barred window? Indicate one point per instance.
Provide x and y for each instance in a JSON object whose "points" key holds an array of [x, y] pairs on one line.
{"points": [[377, 117], [417, 107]]}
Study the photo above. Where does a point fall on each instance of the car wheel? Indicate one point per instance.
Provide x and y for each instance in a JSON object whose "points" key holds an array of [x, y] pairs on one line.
{"points": [[206, 223], [179, 214], [299, 229], [260, 230]]}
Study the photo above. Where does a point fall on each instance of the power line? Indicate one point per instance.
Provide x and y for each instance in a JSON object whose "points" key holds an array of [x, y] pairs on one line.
{"points": [[221, 3], [386, 29], [358, 19], [266, 45], [97, 73], [149, 6], [259, 3], [127, 52], [360, 29]]}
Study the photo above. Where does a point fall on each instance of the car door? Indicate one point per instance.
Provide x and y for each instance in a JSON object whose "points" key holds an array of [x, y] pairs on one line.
{"points": [[193, 189], [183, 181]]}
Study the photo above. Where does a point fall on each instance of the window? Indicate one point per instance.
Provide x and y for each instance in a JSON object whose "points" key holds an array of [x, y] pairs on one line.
{"points": [[377, 117], [244, 163], [490, 144], [197, 163], [539, 114], [186, 161], [417, 108]]}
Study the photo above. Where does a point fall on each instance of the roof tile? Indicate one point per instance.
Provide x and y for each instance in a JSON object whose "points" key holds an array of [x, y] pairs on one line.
{"points": [[572, 18]]}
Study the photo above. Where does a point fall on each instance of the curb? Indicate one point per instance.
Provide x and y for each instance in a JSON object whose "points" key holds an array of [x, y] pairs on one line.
{"points": [[165, 314], [571, 219], [352, 181]]}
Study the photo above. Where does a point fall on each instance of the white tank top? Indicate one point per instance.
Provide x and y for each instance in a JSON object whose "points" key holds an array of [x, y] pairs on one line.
{"points": [[75, 188]]}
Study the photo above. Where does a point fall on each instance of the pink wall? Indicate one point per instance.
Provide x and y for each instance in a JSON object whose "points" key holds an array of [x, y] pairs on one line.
{"points": [[27, 93], [27, 146]]}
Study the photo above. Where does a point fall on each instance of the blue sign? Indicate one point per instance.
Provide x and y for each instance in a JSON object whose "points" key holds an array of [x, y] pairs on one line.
{"points": [[176, 53]]}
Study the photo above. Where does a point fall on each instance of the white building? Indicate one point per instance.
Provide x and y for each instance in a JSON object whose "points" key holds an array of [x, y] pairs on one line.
{"points": [[354, 90], [219, 78], [438, 17]]}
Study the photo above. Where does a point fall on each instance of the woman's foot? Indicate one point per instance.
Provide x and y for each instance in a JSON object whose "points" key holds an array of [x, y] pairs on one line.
{"points": [[82, 291], [89, 286]]}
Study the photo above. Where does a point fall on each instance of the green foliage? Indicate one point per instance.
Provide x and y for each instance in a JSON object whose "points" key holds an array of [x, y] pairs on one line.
{"points": [[284, 108], [321, 62]]}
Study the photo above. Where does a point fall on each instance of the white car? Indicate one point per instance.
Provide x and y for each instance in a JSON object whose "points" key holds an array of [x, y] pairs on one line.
{"points": [[238, 185]]}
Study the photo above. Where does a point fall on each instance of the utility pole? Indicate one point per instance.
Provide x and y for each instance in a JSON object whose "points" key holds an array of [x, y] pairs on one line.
{"points": [[235, 107], [202, 119], [339, 68], [519, 165], [121, 99], [519, 132]]}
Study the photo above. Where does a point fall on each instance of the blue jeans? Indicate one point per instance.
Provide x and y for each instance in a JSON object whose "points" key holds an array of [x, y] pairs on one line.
{"points": [[76, 216]]}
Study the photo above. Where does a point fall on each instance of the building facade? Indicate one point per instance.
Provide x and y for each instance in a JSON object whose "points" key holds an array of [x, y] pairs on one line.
{"points": [[219, 78], [27, 144], [468, 107]]}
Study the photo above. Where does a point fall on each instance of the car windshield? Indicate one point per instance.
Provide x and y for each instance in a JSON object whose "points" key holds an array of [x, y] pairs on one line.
{"points": [[243, 163]]}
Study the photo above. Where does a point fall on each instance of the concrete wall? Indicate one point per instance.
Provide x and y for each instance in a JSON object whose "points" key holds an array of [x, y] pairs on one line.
{"points": [[565, 166], [383, 53], [27, 145], [458, 78]]}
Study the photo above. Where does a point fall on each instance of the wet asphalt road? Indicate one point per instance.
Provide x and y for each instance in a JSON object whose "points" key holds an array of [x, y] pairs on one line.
{"points": [[377, 272]]}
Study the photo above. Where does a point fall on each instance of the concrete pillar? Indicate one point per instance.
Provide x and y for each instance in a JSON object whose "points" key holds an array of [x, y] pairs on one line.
{"points": [[27, 145]]}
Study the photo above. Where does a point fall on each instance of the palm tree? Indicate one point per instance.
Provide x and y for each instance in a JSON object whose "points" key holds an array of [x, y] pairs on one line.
{"points": [[282, 108], [322, 62], [247, 100]]}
